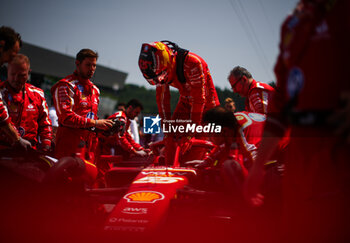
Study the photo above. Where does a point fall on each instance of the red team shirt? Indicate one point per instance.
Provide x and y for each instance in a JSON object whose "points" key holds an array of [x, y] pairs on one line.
{"points": [[76, 102], [125, 141], [259, 96], [249, 134], [29, 113], [312, 72]]}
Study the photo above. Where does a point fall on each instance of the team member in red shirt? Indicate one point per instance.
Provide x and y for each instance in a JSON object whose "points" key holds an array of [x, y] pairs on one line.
{"points": [[312, 77], [76, 101], [258, 94], [26, 104], [10, 43], [123, 142], [243, 128], [164, 64]]}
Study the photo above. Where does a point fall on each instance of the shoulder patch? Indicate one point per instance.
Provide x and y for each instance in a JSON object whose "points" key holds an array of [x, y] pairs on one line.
{"points": [[36, 90], [257, 117]]}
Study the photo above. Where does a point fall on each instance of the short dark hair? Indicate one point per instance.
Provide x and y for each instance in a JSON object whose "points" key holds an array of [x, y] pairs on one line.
{"points": [[10, 36], [220, 116], [238, 72], [85, 53], [121, 103], [134, 103]]}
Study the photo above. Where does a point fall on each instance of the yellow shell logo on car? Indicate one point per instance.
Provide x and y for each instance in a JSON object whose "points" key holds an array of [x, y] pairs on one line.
{"points": [[144, 197]]}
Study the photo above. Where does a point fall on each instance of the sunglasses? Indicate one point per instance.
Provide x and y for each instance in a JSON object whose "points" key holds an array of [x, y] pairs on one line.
{"points": [[235, 84]]}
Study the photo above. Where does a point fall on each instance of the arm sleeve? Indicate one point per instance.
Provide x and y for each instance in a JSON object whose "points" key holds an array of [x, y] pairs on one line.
{"points": [[45, 127], [4, 116], [163, 101], [64, 100], [248, 150], [128, 144], [259, 100], [196, 78]]}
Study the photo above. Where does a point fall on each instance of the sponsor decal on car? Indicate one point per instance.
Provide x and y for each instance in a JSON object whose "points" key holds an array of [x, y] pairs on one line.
{"points": [[125, 228], [144, 196], [131, 221], [160, 179], [167, 170], [132, 210]]}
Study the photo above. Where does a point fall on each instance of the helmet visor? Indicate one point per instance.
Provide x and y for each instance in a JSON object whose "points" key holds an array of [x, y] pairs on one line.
{"points": [[147, 61]]}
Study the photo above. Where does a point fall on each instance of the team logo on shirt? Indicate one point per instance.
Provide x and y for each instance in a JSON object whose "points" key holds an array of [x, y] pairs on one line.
{"points": [[90, 115], [81, 88], [295, 82], [239, 118], [293, 22], [30, 107]]}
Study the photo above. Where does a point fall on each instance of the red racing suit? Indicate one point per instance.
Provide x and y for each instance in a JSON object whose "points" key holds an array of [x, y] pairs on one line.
{"points": [[197, 94], [126, 142], [29, 113], [259, 96], [76, 101], [249, 134], [312, 72]]}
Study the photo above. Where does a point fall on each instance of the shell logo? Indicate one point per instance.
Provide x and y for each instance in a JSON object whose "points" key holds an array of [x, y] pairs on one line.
{"points": [[144, 197]]}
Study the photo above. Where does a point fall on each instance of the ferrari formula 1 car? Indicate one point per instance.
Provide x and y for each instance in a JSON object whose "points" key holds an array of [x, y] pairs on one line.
{"points": [[144, 200]]}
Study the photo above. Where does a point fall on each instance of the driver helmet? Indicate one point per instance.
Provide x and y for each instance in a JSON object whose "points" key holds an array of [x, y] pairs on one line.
{"points": [[157, 62]]}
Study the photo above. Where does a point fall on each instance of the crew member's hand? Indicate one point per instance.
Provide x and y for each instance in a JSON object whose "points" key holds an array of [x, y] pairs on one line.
{"points": [[194, 162], [199, 164], [252, 186], [104, 124], [148, 151], [141, 153], [23, 143]]}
